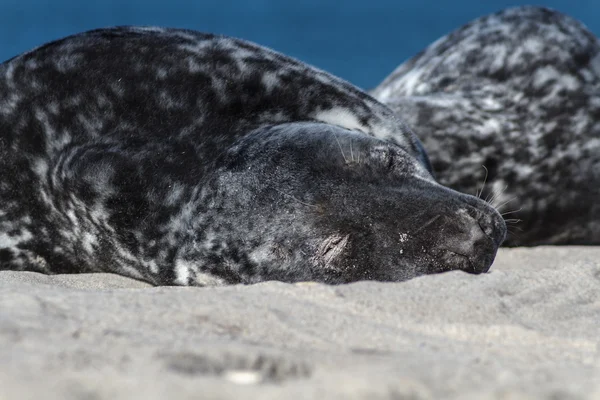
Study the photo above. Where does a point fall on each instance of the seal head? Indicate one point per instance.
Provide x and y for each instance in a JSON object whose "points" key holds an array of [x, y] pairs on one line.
{"points": [[311, 201]]}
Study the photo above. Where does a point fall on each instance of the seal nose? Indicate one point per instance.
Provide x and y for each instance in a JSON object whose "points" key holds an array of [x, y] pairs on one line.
{"points": [[467, 245]]}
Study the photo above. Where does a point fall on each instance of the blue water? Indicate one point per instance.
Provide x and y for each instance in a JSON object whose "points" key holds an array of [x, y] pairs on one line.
{"points": [[361, 41]]}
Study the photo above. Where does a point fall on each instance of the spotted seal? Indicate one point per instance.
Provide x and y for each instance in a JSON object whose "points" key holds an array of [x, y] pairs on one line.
{"points": [[183, 158], [517, 92]]}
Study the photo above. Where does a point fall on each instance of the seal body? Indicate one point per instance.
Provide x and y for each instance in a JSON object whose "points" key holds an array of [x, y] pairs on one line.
{"points": [[509, 105], [184, 158]]}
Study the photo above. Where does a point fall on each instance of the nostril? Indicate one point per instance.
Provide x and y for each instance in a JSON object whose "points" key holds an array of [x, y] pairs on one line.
{"points": [[494, 227], [489, 220], [487, 230], [465, 238], [484, 250], [469, 236]]}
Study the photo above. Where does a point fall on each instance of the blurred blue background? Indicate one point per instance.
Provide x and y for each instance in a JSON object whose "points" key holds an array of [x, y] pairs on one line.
{"points": [[361, 41]]}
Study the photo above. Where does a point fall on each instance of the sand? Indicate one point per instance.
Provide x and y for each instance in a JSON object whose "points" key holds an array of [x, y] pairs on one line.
{"points": [[528, 329]]}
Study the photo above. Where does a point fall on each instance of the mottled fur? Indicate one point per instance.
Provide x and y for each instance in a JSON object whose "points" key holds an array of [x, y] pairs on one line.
{"points": [[185, 158], [519, 93]]}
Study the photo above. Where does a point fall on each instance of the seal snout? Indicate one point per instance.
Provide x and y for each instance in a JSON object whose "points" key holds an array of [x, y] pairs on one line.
{"points": [[470, 242]]}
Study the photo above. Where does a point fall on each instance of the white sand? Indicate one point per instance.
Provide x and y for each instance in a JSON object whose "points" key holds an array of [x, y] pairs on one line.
{"points": [[528, 329]]}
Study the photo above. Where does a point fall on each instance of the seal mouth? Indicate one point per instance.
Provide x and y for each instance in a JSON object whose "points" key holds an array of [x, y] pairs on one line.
{"points": [[463, 262], [474, 256]]}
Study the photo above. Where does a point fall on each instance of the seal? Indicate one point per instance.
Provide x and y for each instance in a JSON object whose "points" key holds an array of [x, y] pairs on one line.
{"points": [[517, 92], [182, 158]]}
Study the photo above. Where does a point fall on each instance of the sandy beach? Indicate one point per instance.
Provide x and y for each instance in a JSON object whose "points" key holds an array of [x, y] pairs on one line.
{"points": [[529, 329]]}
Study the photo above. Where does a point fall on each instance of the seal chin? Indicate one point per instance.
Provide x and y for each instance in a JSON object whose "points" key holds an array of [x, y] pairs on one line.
{"points": [[473, 264]]}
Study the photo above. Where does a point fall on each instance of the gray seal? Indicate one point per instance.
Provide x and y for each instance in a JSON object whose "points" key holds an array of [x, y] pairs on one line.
{"points": [[182, 158], [516, 92]]}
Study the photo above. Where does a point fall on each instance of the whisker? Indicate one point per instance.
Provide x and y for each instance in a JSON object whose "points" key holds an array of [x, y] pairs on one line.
{"points": [[511, 212], [480, 192], [505, 203], [340, 146], [513, 221], [490, 196], [514, 235], [497, 196]]}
